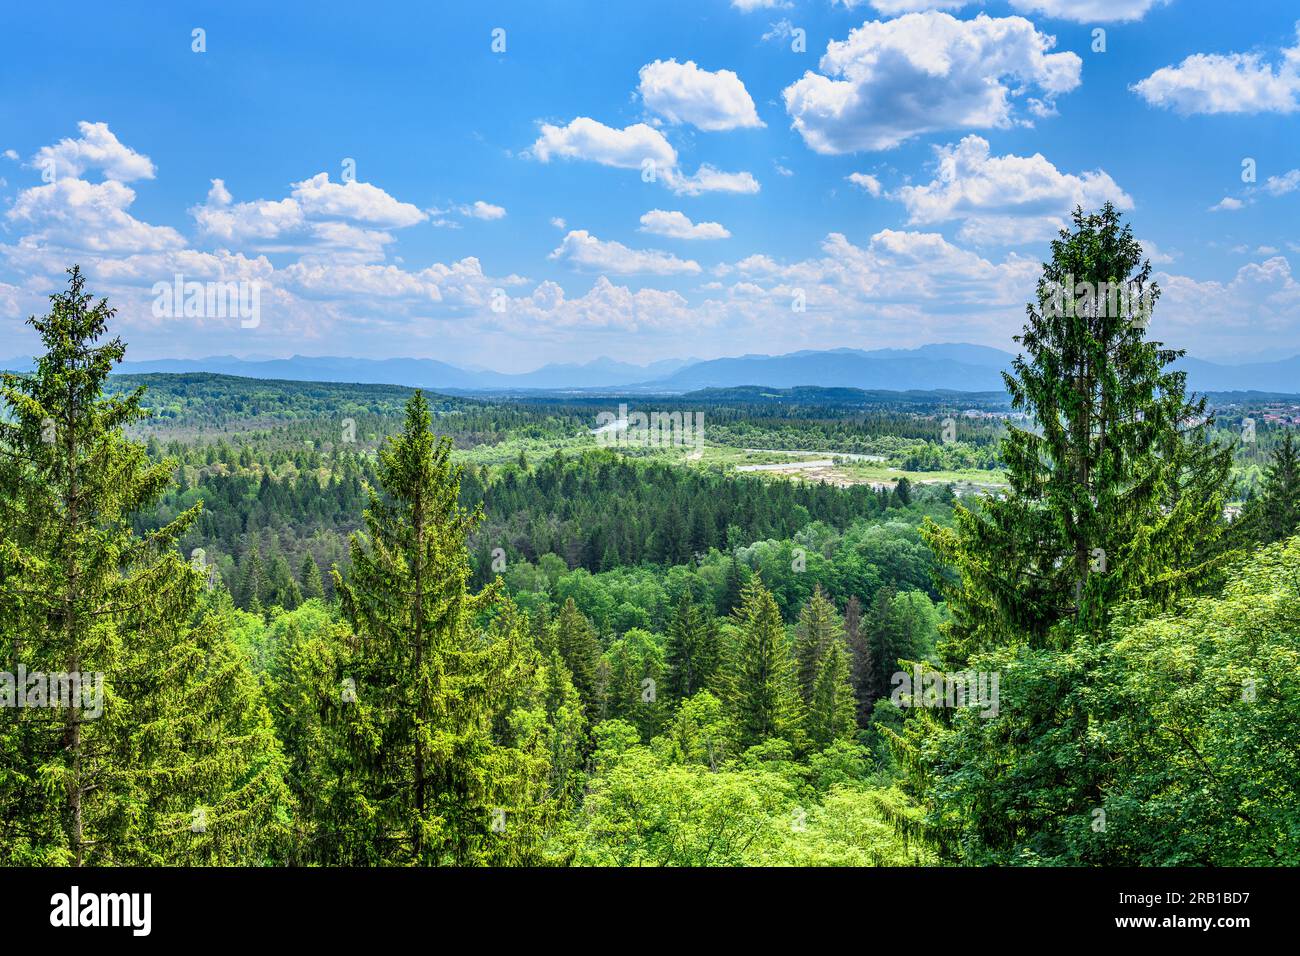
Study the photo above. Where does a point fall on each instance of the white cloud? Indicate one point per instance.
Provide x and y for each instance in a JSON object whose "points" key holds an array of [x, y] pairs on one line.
{"points": [[236, 222], [584, 251], [684, 93], [677, 225], [1226, 83], [924, 72], [483, 210], [1090, 11], [558, 222], [707, 179], [356, 200], [98, 149], [892, 8], [748, 6], [1260, 303], [1004, 199], [77, 215], [1227, 204], [11, 154], [585, 138], [1079, 11], [1281, 185], [865, 181]]}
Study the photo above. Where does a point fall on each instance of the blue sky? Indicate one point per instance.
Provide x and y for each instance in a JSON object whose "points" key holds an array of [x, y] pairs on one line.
{"points": [[892, 183]]}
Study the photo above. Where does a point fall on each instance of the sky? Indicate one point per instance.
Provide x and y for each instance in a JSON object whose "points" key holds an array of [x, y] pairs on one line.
{"points": [[505, 185]]}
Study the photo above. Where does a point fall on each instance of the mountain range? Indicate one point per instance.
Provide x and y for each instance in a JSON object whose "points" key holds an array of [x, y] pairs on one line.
{"points": [[955, 366]]}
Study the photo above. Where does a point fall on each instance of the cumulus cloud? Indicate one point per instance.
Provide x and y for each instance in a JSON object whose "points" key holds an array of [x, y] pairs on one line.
{"points": [[1227, 204], [1004, 199], [76, 215], [865, 181], [222, 218], [582, 250], [893, 8], [1090, 11], [1260, 303], [677, 225], [1080, 11], [1226, 83], [484, 210], [96, 149], [1281, 185], [684, 93], [924, 72], [707, 179], [355, 200], [585, 138]]}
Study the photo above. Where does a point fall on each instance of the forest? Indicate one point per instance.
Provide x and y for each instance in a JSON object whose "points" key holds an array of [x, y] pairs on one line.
{"points": [[344, 625]]}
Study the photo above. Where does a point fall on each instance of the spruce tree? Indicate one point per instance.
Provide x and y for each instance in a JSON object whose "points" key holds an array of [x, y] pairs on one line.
{"points": [[437, 785], [833, 710], [169, 755], [313, 585], [576, 640], [818, 626], [862, 671], [691, 654], [1118, 493], [760, 682]]}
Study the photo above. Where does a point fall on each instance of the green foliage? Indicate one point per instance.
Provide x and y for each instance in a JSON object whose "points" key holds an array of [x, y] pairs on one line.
{"points": [[1120, 495], [172, 758], [759, 680], [435, 785]]}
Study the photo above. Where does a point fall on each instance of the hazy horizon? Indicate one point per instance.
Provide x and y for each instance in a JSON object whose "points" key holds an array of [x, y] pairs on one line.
{"points": [[744, 177]]}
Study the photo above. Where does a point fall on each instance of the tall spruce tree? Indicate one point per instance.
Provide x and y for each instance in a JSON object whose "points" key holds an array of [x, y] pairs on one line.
{"points": [[862, 670], [832, 708], [438, 786], [818, 626], [313, 585], [760, 683], [172, 758], [576, 640], [691, 653], [1118, 493]]}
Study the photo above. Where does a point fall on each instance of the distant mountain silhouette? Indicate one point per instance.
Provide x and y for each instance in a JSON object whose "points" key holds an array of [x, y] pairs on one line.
{"points": [[949, 366]]}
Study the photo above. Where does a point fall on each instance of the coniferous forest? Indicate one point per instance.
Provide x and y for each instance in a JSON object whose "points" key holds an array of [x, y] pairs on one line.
{"points": [[327, 625]]}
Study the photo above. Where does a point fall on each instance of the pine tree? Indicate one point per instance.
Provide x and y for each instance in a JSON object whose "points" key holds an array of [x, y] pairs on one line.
{"points": [[313, 585], [833, 710], [429, 685], [818, 626], [1121, 494], [760, 683], [691, 654], [168, 755]]}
